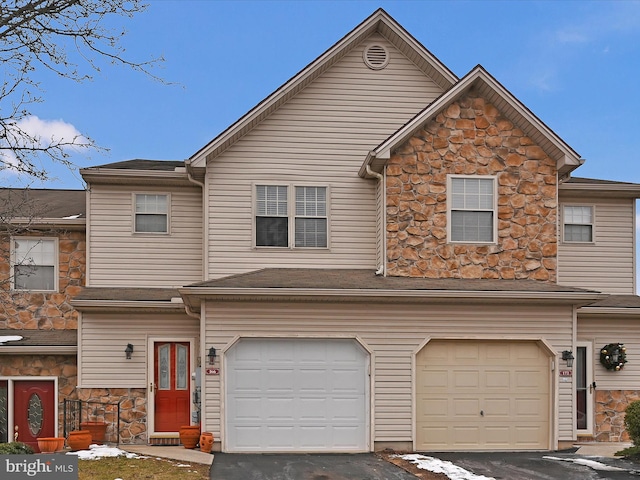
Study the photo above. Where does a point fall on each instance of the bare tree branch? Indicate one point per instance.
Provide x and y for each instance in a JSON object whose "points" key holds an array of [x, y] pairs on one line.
{"points": [[69, 37]]}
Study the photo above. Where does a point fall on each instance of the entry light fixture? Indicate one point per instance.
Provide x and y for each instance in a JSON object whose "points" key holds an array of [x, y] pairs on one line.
{"points": [[212, 355], [568, 357], [128, 351]]}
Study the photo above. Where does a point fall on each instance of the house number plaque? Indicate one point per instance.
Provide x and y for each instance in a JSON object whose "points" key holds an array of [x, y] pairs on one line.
{"points": [[212, 371]]}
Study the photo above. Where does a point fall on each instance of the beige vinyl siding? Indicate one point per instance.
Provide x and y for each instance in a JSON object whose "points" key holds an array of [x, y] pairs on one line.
{"points": [[602, 330], [102, 362], [118, 257], [393, 333], [320, 137], [606, 265]]}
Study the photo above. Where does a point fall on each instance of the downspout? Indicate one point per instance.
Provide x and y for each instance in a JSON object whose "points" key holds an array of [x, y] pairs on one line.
{"points": [[382, 267], [187, 308], [205, 230]]}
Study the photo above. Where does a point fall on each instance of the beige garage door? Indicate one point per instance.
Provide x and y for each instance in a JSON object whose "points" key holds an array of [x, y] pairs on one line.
{"points": [[482, 395]]}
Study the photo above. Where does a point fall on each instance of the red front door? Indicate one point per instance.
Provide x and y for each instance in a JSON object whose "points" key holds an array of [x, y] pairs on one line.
{"points": [[34, 411], [171, 380]]}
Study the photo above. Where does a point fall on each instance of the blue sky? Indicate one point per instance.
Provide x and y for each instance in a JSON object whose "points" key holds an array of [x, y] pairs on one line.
{"points": [[574, 64]]}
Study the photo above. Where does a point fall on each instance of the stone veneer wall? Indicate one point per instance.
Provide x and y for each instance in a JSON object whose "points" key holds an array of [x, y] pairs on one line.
{"points": [[62, 366], [610, 407], [133, 410], [46, 310], [471, 137]]}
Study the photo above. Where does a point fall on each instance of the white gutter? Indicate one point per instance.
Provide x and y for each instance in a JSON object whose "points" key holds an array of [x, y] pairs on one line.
{"points": [[458, 295], [622, 311], [126, 305]]}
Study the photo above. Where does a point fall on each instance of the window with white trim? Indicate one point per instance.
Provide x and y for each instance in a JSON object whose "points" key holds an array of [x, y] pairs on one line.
{"points": [[151, 213], [277, 215], [472, 210], [578, 223], [34, 263]]}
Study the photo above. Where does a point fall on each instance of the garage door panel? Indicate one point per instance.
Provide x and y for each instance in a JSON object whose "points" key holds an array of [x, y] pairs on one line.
{"points": [[312, 395], [485, 395]]}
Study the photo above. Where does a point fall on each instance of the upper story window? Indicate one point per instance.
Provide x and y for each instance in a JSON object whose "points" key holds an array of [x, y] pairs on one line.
{"points": [[472, 210], [578, 223], [151, 213], [35, 263], [276, 215]]}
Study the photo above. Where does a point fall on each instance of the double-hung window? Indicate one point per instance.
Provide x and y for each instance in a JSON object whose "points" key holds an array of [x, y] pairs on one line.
{"points": [[291, 216], [472, 210], [578, 223], [151, 213], [34, 263]]}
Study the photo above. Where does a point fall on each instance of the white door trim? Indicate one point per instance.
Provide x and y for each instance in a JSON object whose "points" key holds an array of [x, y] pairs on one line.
{"points": [[588, 346], [150, 375]]}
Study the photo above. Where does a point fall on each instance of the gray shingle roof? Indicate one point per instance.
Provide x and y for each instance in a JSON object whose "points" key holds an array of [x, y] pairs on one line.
{"points": [[41, 338], [306, 278], [42, 203], [140, 164], [618, 301]]}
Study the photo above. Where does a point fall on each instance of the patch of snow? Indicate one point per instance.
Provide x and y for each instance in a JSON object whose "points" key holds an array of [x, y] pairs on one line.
{"points": [[589, 463], [72, 217], [9, 338], [441, 466], [182, 465], [96, 452]]}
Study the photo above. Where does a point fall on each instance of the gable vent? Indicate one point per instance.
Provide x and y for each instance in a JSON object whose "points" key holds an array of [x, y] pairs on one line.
{"points": [[375, 57]]}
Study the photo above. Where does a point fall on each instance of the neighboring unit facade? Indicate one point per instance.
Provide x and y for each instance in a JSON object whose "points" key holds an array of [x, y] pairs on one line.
{"points": [[377, 255], [43, 268]]}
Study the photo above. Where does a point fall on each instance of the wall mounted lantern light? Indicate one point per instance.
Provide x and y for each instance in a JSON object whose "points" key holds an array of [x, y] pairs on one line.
{"points": [[568, 357], [212, 355], [128, 351]]}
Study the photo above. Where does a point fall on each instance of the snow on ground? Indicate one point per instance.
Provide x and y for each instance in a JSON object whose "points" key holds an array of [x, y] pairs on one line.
{"points": [[441, 466], [588, 463], [97, 452]]}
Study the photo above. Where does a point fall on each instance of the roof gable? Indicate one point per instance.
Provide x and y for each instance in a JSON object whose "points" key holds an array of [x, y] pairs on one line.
{"points": [[379, 22], [478, 78]]}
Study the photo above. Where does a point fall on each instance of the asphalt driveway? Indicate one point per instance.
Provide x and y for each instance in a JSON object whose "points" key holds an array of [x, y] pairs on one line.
{"points": [[498, 466], [563, 465], [362, 466]]}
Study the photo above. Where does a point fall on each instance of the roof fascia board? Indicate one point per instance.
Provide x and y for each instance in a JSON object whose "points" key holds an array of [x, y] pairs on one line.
{"points": [[619, 311], [330, 56], [626, 190], [478, 76], [427, 295], [68, 223], [116, 175], [88, 305]]}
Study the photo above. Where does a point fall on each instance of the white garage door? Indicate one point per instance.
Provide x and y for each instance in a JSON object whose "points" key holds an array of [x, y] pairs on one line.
{"points": [[285, 395], [482, 395]]}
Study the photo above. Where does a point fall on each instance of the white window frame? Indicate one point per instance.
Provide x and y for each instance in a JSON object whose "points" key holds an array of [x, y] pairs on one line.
{"points": [[291, 214], [592, 224], [494, 209], [135, 213], [56, 262]]}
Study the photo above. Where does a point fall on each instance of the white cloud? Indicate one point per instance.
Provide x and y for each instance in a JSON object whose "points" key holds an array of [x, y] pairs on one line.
{"points": [[34, 132]]}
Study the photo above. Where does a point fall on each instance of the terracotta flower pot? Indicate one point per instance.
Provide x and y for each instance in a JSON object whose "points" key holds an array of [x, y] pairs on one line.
{"points": [[50, 444], [97, 429], [189, 435], [79, 440], [206, 442]]}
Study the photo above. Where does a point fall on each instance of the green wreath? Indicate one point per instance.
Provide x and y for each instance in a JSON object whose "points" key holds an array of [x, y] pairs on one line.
{"points": [[613, 356]]}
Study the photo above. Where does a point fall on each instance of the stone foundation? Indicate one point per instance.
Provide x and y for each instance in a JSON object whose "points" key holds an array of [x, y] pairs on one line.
{"points": [[610, 407], [133, 410]]}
